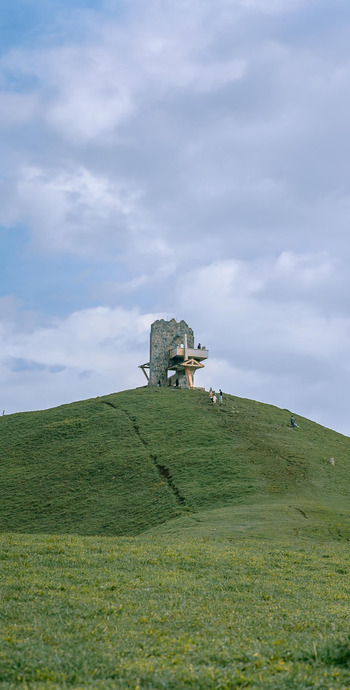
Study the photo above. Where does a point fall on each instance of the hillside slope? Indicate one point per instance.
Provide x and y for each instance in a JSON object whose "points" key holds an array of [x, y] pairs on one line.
{"points": [[130, 461]]}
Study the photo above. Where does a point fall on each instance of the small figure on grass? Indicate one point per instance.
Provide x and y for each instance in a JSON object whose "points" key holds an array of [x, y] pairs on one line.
{"points": [[293, 423], [220, 395]]}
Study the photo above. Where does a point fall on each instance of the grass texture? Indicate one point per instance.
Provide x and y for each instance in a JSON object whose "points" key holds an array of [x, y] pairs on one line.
{"points": [[131, 461], [150, 539], [156, 612]]}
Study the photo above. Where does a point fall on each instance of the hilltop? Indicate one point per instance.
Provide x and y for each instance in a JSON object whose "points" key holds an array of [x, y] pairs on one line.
{"points": [[166, 459], [230, 570]]}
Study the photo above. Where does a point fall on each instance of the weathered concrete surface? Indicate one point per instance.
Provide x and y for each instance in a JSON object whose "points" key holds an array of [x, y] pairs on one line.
{"points": [[164, 336]]}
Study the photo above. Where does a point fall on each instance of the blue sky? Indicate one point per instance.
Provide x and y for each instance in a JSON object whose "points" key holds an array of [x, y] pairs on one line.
{"points": [[185, 159]]}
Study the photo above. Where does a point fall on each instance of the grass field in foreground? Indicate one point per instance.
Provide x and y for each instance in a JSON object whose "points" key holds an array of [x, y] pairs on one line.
{"points": [[173, 611]]}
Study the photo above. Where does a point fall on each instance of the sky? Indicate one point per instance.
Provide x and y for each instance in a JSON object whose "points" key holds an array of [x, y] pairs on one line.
{"points": [[176, 158]]}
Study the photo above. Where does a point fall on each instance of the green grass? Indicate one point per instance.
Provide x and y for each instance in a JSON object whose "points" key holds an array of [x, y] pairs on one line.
{"points": [[153, 540], [130, 461], [173, 612]]}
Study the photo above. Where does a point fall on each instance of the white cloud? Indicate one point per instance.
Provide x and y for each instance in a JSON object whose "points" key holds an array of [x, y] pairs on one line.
{"points": [[268, 338], [89, 90], [304, 270], [179, 129], [272, 6], [93, 94], [90, 339], [89, 353], [270, 305], [74, 211], [17, 108], [87, 215]]}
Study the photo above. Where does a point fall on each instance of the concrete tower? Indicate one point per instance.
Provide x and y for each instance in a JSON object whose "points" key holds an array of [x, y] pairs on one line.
{"points": [[172, 350]]}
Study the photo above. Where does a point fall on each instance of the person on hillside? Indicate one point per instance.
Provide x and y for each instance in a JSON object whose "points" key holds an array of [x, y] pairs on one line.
{"points": [[220, 395], [293, 423], [214, 397]]}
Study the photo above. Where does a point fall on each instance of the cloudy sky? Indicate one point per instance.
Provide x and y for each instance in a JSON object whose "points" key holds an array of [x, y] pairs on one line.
{"points": [[176, 158]]}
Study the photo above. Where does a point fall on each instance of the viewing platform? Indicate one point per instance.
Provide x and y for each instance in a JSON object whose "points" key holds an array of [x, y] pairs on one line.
{"points": [[178, 353]]}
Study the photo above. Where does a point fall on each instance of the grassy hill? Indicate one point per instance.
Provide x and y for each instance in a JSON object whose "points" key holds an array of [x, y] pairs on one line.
{"points": [[231, 568], [132, 461]]}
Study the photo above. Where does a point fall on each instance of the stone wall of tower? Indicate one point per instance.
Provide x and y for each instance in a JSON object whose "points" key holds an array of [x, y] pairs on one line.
{"points": [[164, 336]]}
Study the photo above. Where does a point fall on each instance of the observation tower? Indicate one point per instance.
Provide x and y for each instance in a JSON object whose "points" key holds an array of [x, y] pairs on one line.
{"points": [[173, 358]]}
